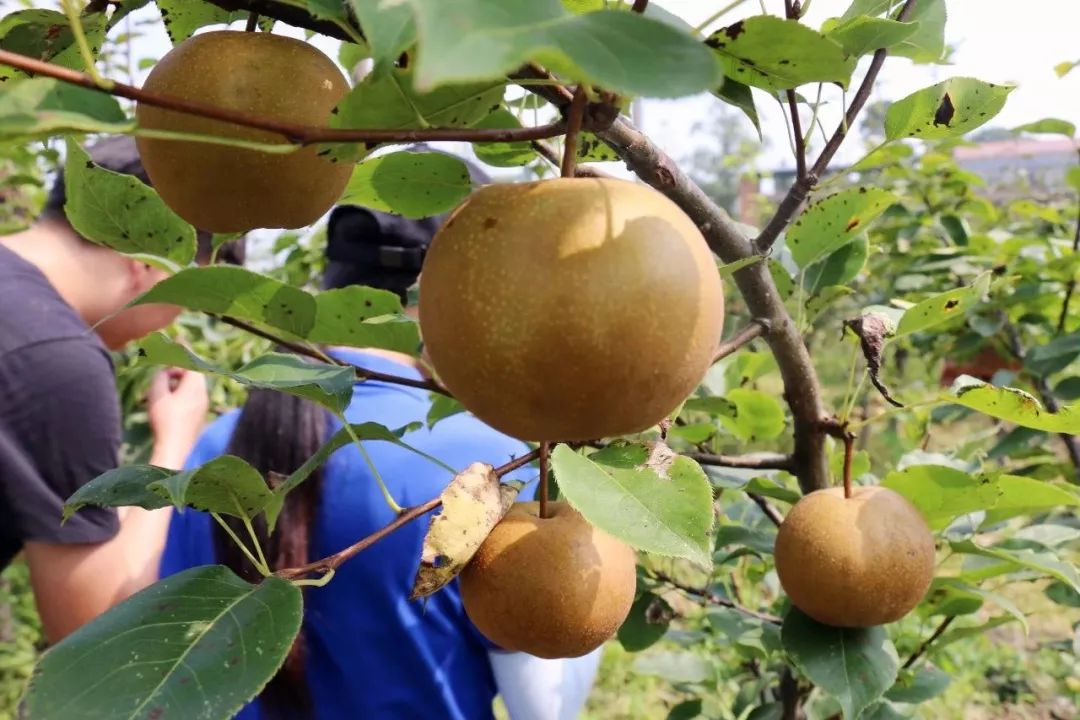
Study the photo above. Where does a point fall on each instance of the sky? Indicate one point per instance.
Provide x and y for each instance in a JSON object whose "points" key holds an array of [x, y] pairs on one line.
{"points": [[994, 41]]}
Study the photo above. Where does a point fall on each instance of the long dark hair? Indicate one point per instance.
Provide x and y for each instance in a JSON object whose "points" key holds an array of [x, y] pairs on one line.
{"points": [[277, 433]]}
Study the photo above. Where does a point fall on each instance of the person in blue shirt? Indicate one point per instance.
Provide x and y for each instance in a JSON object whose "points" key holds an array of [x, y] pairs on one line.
{"points": [[366, 652]]}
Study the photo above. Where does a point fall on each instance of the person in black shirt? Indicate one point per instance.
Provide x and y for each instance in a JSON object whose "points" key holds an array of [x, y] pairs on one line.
{"points": [[60, 415]]}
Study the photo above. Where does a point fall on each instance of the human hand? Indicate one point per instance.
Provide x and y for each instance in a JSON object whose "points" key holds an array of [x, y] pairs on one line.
{"points": [[177, 403]]}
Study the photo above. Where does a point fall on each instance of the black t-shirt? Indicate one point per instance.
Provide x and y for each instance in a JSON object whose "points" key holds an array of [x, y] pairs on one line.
{"points": [[59, 413]]}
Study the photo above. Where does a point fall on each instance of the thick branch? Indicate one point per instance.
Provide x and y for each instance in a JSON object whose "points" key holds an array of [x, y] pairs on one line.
{"points": [[713, 598], [332, 562], [796, 195], [361, 373], [292, 132]]}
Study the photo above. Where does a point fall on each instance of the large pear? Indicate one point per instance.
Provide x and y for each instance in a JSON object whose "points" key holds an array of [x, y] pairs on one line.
{"points": [[551, 587], [570, 309], [855, 562], [229, 189]]}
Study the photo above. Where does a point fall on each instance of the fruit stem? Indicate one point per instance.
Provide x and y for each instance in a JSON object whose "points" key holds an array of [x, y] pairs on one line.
{"points": [[849, 449], [543, 480], [574, 119], [252, 22]]}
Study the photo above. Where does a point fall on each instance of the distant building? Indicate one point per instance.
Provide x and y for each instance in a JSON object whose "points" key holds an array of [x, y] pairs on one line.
{"points": [[1020, 164]]}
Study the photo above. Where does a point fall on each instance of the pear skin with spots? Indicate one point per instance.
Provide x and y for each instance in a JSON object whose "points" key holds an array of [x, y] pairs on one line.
{"points": [[855, 562], [570, 309]]}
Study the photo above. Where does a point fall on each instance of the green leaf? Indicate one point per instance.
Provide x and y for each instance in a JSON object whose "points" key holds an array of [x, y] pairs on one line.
{"points": [[687, 709], [862, 35], [651, 499], [923, 684], [840, 267], [1051, 126], [121, 212], [328, 385], [1064, 68], [824, 299], [120, 487], [44, 107], [388, 29], [760, 540], [412, 184], [751, 637], [503, 154], [833, 222], [854, 665], [491, 38], [948, 109], [943, 307], [649, 618], [363, 317], [183, 17], [1054, 356], [927, 43], [1025, 496], [882, 710], [883, 156], [942, 494], [46, 35], [226, 485], [1062, 594], [1044, 563], [758, 415], [986, 595], [390, 100], [441, 408], [739, 95], [776, 54], [1013, 405], [593, 149], [199, 644], [675, 666], [237, 293], [770, 489]]}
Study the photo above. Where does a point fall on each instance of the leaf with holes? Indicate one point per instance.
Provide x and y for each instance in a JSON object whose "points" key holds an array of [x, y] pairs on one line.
{"points": [[948, 109], [199, 644], [120, 487], [328, 385], [645, 495], [237, 293], [491, 38], [1013, 405], [863, 35], [42, 107], [834, 221], [226, 485], [363, 317], [412, 184], [648, 621], [472, 504], [943, 307], [776, 54], [854, 665], [182, 18], [121, 212]]}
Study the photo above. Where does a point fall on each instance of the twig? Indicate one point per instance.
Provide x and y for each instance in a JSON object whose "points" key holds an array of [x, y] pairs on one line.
{"points": [[332, 562], [574, 119], [796, 194], [1070, 288], [252, 22], [640, 5], [548, 153], [714, 598], [544, 447], [744, 336], [766, 507], [849, 451], [361, 372], [292, 132], [790, 696], [800, 140], [921, 650], [765, 461]]}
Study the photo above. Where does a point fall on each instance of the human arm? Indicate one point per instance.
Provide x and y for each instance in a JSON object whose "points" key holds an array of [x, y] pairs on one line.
{"points": [[534, 688]]}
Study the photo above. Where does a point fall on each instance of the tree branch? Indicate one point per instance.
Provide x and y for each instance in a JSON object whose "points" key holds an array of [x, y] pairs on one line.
{"points": [[1070, 288], [921, 650], [548, 153], [789, 207], [766, 507], [800, 140], [361, 372], [765, 461], [744, 336], [332, 562], [713, 598], [292, 132]]}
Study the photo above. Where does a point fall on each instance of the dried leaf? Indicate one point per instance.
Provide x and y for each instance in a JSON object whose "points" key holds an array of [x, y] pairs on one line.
{"points": [[872, 330], [472, 504]]}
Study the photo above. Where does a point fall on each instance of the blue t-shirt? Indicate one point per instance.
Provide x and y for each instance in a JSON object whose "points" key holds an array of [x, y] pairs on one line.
{"points": [[372, 653]]}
